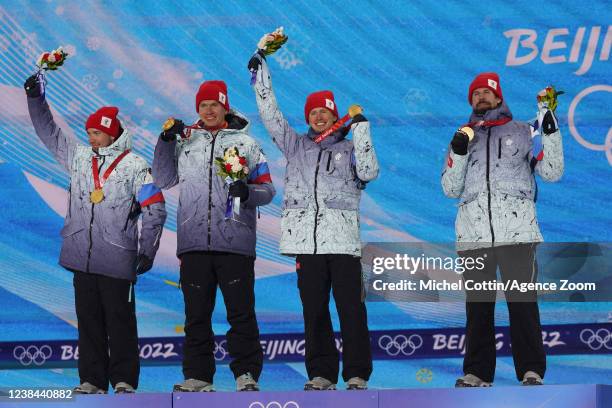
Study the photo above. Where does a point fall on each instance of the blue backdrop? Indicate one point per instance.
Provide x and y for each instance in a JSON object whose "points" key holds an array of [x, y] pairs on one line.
{"points": [[409, 64]]}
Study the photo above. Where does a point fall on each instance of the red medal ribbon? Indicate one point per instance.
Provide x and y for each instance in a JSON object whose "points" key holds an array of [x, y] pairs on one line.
{"points": [[99, 182], [332, 129], [200, 125], [488, 123]]}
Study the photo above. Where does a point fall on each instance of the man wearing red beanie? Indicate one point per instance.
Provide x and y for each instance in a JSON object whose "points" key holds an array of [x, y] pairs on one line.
{"points": [[215, 247], [491, 168], [109, 188], [320, 226]]}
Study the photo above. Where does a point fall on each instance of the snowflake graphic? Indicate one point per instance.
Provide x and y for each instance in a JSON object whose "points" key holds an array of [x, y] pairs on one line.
{"points": [[90, 82], [286, 58], [416, 101], [93, 43]]}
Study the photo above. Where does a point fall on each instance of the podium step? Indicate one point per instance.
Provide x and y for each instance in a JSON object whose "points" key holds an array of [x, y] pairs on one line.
{"points": [[548, 396]]}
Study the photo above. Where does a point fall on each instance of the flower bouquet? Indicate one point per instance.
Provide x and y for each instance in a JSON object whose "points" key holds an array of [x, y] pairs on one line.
{"points": [[273, 41], [49, 61], [52, 60], [232, 167], [548, 97]]}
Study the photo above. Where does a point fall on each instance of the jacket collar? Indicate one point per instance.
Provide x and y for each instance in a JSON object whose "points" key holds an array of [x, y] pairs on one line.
{"points": [[334, 138], [499, 113], [121, 144]]}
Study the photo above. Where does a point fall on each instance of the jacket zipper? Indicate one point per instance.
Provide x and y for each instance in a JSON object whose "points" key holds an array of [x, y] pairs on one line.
{"points": [[499, 149], [210, 168], [489, 184], [91, 221], [329, 161], [316, 201]]}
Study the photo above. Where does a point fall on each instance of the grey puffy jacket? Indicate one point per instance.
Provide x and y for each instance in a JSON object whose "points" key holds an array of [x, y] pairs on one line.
{"points": [[323, 182], [495, 182], [103, 238], [189, 162]]}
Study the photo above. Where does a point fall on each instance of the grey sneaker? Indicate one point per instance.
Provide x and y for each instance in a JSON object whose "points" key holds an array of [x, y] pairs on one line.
{"points": [[124, 388], [356, 383], [193, 385], [319, 384], [470, 380], [246, 382], [87, 388], [532, 378]]}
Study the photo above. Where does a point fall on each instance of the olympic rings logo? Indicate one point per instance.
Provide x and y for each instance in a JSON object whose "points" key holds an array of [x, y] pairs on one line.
{"points": [[607, 145], [220, 353], [32, 354], [596, 339], [274, 404], [400, 344]]}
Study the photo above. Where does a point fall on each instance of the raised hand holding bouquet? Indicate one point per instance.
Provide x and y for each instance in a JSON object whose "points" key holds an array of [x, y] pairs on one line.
{"points": [[48, 61], [267, 45]]}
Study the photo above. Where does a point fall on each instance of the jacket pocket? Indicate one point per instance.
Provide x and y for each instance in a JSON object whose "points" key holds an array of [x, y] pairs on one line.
{"points": [[71, 228], [510, 150], [514, 188], [122, 242], [344, 202], [338, 164], [120, 239], [468, 198]]}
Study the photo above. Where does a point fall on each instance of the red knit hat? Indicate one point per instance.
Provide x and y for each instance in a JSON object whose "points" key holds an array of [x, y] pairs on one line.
{"points": [[486, 80], [320, 99], [212, 91], [105, 120]]}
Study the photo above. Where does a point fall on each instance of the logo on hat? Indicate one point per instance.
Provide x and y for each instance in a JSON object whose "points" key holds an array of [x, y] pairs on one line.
{"points": [[106, 122], [492, 83], [222, 97], [329, 104]]}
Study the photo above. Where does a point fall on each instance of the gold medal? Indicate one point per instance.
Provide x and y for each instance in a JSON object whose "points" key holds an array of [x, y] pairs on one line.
{"points": [[97, 196], [468, 131], [168, 124], [355, 110]]}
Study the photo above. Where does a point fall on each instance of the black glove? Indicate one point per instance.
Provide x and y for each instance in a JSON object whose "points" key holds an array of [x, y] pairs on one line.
{"points": [[459, 144], [549, 123], [176, 129], [239, 189], [255, 61], [143, 264], [32, 86], [359, 118]]}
